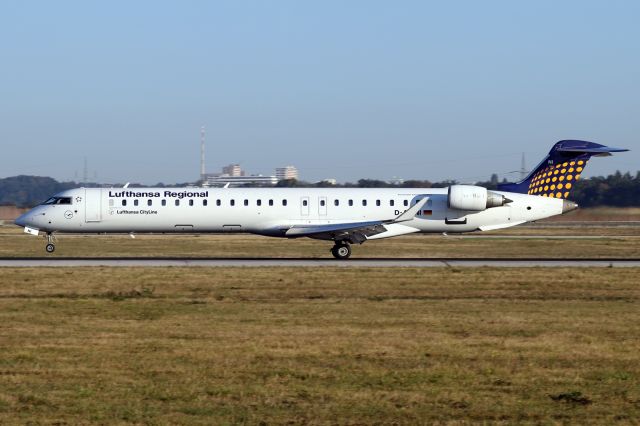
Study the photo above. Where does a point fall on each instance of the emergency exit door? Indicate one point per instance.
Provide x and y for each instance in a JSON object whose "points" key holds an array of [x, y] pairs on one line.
{"points": [[304, 206], [322, 206]]}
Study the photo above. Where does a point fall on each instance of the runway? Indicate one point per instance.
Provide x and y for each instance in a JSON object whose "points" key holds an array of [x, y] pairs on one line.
{"points": [[301, 262]]}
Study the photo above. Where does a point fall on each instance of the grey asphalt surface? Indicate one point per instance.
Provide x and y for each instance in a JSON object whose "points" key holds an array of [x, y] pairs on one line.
{"points": [[351, 263]]}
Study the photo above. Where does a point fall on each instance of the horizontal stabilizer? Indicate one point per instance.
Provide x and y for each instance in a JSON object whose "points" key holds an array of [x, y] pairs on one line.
{"points": [[585, 147]]}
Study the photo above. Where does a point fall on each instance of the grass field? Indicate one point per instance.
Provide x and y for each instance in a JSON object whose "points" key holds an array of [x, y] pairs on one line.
{"points": [[319, 346], [599, 214], [583, 242]]}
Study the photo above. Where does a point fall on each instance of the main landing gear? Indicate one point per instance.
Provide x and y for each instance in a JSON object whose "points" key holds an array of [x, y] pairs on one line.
{"points": [[342, 250], [50, 247]]}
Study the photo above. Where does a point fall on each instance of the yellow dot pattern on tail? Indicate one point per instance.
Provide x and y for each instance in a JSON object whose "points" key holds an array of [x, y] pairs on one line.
{"points": [[556, 181]]}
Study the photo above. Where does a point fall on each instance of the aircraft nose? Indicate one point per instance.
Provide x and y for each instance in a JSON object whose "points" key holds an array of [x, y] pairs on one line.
{"points": [[26, 219], [22, 220]]}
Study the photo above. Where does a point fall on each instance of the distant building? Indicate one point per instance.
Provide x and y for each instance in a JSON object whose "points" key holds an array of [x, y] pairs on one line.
{"points": [[259, 180], [396, 181], [287, 172], [233, 170], [329, 181]]}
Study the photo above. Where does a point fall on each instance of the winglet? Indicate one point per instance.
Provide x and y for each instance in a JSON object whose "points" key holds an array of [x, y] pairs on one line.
{"points": [[410, 213]]}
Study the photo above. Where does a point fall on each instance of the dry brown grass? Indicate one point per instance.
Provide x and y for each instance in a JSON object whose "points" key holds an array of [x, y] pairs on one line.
{"points": [[319, 346], [619, 242], [599, 214]]}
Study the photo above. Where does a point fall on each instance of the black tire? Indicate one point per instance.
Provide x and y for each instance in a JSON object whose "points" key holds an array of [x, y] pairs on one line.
{"points": [[341, 251], [50, 248]]}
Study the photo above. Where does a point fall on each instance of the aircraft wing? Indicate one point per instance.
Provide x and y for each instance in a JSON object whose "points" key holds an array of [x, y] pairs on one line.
{"points": [[355, 232]]}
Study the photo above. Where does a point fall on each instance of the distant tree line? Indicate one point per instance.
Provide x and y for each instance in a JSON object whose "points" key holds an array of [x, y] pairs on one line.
{"points": [[27, 191], [364, 183], [618, 189]]}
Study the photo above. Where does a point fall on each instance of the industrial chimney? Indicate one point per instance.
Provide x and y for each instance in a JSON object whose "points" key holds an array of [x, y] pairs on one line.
{"points": [[202, 170]]}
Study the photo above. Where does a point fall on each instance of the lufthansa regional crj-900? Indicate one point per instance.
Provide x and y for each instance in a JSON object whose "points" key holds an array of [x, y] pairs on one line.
{"points": [[344, 216]]}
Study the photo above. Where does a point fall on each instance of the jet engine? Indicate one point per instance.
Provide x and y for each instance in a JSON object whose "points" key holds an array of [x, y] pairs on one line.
{"points": [[474, 198]]}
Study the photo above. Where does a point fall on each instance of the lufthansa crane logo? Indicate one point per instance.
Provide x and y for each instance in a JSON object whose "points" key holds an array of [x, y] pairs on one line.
{"points": [[68, 214]]}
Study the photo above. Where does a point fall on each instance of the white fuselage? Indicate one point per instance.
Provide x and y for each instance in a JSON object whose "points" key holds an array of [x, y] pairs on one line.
{"points": [[272, 211]]}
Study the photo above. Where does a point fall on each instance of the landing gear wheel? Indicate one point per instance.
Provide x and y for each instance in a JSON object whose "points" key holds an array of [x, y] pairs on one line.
{"points": [[341, 251], [50, 248]]}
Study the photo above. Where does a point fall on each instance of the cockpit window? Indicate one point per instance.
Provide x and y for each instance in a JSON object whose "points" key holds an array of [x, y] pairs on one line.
{"points": [[58, 200]]}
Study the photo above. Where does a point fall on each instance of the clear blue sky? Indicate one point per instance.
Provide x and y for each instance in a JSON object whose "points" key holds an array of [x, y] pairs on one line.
{"points": [[343, 89]]}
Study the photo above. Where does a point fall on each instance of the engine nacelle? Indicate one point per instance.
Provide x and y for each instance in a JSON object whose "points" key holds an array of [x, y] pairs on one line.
{"points": [[474, 198]]}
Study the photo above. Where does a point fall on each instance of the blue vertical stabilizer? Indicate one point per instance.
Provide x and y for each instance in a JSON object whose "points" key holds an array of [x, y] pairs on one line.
{"points": [[560, 169]]}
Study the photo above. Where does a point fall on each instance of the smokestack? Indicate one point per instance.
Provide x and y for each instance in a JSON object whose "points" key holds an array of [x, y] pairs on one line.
{"points": [[85, 172], [202, 170], [523, 168]]}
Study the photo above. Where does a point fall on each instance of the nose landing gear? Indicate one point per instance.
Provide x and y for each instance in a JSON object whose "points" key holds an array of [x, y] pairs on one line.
{"points": [[50, 247], [341, 250]]}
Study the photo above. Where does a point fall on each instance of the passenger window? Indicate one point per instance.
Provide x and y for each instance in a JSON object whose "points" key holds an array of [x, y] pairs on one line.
{"points": [[177, 202], [270, 202], [149, 203], [246, 202], [205, 202], [135, 202], [351, 202], [322, 203], [233, 202], [218, 202], [406, 203], [124, 203], [164, 202], [336, 202], [284, 202], [304, 203], [259, 202], [378, 203], [392, 203], [364, 202], [191, 202], [111, 202]]}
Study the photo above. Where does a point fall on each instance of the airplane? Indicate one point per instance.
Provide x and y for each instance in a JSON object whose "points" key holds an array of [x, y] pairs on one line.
{"points": [[345, 216]]}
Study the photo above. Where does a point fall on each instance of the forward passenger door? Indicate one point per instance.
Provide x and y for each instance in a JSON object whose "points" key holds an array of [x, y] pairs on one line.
{"points": [[92, 205]]}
